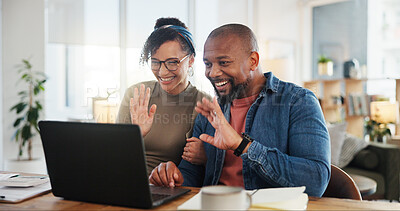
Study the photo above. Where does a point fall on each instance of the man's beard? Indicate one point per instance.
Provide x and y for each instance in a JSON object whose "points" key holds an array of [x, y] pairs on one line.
{"points": [[235, 92]]}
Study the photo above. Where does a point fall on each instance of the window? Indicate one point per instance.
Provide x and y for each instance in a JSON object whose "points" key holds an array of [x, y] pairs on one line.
{"points": [[367, 30], [385, 38], [82, 55], [383, 46], [94, 48]]}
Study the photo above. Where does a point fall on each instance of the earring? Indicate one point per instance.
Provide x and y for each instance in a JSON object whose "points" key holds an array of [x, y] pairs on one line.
{"points": [[190, 71]]}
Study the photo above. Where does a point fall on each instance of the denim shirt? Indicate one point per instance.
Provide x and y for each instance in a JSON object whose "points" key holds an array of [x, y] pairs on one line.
{"points": [[290, 148]]}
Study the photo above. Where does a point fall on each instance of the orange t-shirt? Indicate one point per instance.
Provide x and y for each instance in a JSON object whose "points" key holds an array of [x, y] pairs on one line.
{"points": [[232, 171]]}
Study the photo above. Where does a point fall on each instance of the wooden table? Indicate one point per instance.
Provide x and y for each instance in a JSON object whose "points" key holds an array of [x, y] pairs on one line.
{"points": [[50, 202]]}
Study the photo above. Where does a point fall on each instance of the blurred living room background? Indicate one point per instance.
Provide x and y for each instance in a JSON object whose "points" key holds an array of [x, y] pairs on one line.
{"points": [[346, 51]]}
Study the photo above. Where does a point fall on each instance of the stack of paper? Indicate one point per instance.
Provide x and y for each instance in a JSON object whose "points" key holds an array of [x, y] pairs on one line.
{"points": [[15, 188], [24, 181], [269, 198]]}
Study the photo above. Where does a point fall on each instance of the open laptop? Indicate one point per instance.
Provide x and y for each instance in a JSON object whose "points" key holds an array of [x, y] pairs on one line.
{"points": [[100, 163]]}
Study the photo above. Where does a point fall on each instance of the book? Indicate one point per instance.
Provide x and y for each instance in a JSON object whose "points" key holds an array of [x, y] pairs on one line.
{"points": [[356, 105], [351, 105], [364, 106]]}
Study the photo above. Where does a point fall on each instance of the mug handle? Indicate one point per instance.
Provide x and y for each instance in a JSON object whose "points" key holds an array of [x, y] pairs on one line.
{"points": [[249, 200]]}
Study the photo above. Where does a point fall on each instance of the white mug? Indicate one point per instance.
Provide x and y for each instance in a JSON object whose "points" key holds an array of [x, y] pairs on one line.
{"points": [[221, 197]]}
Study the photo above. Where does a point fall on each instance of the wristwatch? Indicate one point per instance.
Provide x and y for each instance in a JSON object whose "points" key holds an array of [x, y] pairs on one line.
{"points": [[246, 140]]}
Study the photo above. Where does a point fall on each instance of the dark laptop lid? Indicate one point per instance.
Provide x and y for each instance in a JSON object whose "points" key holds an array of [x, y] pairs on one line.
{"points": [[103, 163]]}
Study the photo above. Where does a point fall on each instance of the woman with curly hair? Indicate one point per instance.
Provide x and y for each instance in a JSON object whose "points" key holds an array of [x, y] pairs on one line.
{"points": [[167, 124]]}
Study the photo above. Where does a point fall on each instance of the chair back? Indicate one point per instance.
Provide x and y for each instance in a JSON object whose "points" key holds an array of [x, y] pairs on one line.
{"points": [[341, 185]]}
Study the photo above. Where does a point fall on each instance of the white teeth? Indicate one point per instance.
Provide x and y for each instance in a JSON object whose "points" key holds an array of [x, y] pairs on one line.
{"points": [[221, 83], [166, 79]]}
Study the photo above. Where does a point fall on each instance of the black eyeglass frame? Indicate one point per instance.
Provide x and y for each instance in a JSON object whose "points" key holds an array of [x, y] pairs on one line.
{"points": [[165, 64]]}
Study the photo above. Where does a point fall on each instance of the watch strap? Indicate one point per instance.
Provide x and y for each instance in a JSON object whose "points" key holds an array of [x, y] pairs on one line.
{"points": [[246, 140]]}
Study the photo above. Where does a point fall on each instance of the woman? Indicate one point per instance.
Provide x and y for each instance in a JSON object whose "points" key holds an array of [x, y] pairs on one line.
{"points": [[166, 125]]}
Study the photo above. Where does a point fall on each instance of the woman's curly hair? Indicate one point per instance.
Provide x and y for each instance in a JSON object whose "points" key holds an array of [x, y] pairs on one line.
{"points": [[161, 35]]}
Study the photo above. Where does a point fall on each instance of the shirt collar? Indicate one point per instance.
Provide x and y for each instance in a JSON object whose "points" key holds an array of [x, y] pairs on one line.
{"points": [[271, 83]]}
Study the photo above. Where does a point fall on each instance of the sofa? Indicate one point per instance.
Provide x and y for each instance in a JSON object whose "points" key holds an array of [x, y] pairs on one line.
{"points": [[380, 162]]}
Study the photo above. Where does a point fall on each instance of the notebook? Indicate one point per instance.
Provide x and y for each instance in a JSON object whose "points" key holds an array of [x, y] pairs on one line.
{"points": [[100, 163]]}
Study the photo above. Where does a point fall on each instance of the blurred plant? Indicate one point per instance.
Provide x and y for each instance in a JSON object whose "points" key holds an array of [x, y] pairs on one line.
{"points": [[376, 130], [28, 108], [323, 59]]}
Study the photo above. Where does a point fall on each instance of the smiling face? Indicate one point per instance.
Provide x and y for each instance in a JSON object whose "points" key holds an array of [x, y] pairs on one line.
{"points": [[229, 67], [173, 82]]}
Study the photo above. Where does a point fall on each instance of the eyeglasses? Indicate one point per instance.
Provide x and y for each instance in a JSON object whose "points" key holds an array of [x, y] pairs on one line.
{"points": [[171, 64]]}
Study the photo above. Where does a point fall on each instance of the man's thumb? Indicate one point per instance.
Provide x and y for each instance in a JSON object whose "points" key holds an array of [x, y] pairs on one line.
{"points": [[206, 138]]}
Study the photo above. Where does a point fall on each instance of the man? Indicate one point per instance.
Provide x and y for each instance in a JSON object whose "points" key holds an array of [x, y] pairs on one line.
{"points": [[285, 141]]}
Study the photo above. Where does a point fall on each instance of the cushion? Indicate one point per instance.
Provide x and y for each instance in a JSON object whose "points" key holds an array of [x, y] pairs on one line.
{"points": [[337, 134], [366, 159], [352, 145]]}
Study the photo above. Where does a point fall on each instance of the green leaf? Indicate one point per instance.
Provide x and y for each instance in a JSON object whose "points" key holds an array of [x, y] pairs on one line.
{"points": [[22, 93], [19, 107], [33, 115], [38, 88], [16, 123], [35, 90], [387, 131], [26, 133], [38, 105], [27, 64], [24, 76]]}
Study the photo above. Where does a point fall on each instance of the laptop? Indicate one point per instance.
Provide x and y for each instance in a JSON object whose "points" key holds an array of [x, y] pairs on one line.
{"points": [[100, 163]]}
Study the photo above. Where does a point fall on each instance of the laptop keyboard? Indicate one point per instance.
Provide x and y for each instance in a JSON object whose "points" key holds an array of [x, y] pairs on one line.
{"points": [[157, 197]]}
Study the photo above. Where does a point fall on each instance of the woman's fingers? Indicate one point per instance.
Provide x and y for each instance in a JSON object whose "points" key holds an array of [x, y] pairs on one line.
{"points": [[136, 95], [141, 96], [147, 98]]}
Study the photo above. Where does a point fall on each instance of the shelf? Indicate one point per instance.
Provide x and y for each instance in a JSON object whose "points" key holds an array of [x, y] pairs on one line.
{"points": [[333, 106], [348, 87], [355, 116]]}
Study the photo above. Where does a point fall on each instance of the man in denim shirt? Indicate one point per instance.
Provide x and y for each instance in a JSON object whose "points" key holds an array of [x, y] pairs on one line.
{"points": [[262, 133]]}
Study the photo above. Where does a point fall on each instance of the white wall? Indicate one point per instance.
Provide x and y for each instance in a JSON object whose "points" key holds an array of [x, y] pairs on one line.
{"points": [[305, 30], [210, 14], [1, 87], [271, 20], [278, 28], [23, 37]]}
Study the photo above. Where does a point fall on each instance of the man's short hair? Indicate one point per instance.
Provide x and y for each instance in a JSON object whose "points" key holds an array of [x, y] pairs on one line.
{"points": [[243, 32]]}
